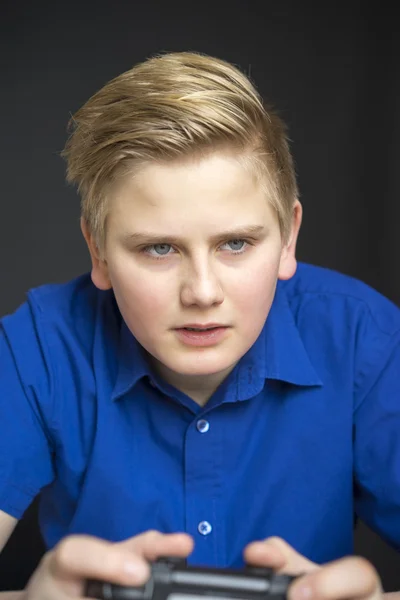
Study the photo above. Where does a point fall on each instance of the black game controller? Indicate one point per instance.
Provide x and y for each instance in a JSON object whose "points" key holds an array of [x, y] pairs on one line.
{"points": [[171, 579]]}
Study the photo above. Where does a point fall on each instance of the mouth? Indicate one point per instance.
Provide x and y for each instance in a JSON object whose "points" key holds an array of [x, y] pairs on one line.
{"points": [[200, 335], [198, 327]]}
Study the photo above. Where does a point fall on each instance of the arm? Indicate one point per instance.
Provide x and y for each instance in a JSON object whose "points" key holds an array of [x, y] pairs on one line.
{"points": [[7, 526], [25, 453]]}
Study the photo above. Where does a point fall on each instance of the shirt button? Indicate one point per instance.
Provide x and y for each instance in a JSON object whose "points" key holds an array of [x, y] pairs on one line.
{"points": [[204, 528], [203, 426]]}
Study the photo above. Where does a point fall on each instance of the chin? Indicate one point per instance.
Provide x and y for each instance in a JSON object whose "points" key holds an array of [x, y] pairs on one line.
{"points": [[201, 366]]}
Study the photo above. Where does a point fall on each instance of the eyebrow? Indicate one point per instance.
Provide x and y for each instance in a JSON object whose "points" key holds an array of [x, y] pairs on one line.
{"points": [[149, 237]]}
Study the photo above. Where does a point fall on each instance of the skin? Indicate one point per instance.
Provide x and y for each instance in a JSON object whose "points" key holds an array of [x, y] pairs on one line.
{"points": [[200, 280], [201, 277], [63, 571]]}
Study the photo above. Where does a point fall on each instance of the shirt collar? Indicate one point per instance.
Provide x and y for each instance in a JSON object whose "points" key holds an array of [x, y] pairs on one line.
{"points": [[278, 353], [286, 357], [132, 363]]}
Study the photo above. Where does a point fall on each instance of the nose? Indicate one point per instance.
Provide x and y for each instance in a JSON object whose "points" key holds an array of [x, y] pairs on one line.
{"points": [[201, 286]]}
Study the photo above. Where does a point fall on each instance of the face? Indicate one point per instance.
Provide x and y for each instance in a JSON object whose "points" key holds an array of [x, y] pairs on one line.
{"points": [[191, 244]]}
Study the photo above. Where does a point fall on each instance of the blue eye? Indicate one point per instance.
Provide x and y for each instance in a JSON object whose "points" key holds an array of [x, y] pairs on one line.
{"points": [[160, 249], [236, 245]]}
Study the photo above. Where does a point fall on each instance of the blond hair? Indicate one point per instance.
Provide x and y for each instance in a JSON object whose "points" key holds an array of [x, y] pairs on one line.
{"points": [[170, 107]]}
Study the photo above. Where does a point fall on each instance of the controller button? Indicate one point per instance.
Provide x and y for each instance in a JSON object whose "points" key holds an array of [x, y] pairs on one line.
{"points": [[203, 426], [204, 527]]}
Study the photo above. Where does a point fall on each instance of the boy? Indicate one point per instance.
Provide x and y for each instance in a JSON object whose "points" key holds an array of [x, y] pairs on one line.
{"points": [[200, 380]]}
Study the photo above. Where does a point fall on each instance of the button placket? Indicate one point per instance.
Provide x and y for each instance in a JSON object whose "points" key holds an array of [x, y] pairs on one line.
{"points": [[202, 486]]}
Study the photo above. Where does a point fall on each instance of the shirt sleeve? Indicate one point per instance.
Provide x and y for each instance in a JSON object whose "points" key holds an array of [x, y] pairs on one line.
{"points": [[376, 438], [26, 464]]}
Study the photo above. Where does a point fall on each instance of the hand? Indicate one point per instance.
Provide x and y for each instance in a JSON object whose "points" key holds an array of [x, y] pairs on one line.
{"points": [[350, 578], [62, 572]]}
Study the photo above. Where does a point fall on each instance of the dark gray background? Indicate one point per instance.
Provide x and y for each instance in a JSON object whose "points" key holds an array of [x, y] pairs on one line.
{"points": [[334, 75]]}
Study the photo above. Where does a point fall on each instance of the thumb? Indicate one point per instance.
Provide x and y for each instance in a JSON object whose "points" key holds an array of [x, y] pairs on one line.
{"points": [[277, 554]]}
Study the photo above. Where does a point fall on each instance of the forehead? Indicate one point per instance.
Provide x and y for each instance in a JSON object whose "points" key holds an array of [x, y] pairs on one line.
{"points": [[212, 173], [207, 189]]}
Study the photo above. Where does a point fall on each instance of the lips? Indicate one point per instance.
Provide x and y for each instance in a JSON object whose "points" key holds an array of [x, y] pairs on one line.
{"points": [[203, 336], [201, 327]]}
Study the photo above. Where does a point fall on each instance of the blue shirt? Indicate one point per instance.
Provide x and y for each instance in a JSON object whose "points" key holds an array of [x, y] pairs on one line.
{"points": [[303, 434]]}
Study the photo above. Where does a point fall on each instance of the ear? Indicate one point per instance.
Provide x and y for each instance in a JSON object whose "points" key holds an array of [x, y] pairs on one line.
{"points": [[100, 275], [288, 262]]}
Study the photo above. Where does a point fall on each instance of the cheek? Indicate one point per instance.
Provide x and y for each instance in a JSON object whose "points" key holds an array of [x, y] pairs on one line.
{"points": [[140, 296], [255, 290]]}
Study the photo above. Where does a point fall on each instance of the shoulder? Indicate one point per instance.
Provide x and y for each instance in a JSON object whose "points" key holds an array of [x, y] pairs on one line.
{"points": [[330, 294], [53, 318], [73, 303], [64, 300], [345, 322]]}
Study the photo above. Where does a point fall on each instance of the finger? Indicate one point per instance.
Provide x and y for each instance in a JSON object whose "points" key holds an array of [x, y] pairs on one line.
{"points": [[85, 557], [277, 554], [352, 578], [153, 544]]}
